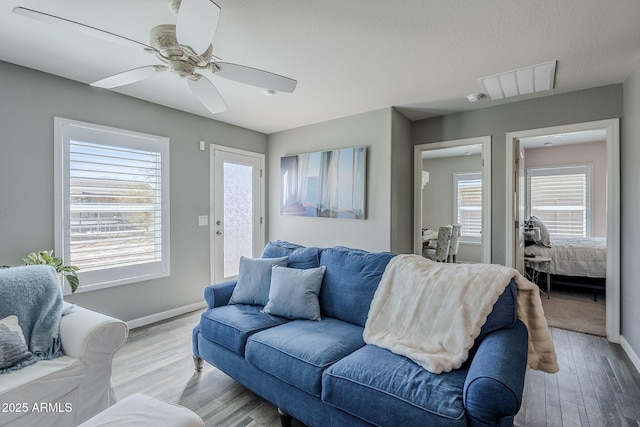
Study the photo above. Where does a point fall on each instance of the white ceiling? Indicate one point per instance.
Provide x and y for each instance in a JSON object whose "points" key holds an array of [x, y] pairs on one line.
{"points": [[457, 151], [530, 143], [423, 56], [581, 137]]}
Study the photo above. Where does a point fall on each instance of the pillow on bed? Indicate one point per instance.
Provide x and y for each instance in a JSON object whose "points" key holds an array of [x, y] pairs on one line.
{"points": [[545, 238]]}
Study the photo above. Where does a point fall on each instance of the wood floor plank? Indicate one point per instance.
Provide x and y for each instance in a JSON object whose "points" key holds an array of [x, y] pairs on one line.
{"points": [[595, 417], [553, 405], [597, 385]]}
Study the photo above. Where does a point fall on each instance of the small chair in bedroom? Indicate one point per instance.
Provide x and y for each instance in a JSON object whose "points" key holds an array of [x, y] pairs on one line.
{"points": [[441, 252], [456, 231]]}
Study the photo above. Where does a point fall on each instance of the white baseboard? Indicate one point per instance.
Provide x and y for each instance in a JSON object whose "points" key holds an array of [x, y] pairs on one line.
{"points": [[632, 354], [157, 317]]}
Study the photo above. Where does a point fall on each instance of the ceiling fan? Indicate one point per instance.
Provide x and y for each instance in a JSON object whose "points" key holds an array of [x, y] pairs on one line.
{"points": [[184, 49]]}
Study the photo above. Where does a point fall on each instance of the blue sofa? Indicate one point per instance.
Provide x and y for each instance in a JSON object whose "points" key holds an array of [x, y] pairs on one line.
{"points": [[323, 374]]}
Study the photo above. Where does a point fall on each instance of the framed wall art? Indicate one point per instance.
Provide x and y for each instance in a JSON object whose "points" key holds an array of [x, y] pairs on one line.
{"points": [[329, 184]]}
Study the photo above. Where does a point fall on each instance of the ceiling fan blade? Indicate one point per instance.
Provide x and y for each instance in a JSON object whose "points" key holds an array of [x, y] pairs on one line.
{"points": [[127, 77], [207, 94], [255, 77], [196, 24], [81, 28]]}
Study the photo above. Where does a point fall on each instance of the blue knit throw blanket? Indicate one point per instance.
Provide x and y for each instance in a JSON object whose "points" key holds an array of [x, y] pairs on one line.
{"points": [[33, 294]]}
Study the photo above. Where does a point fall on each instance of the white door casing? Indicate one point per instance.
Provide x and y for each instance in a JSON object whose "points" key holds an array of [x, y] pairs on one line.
{"points": [[612, 128], [485, 143], [236, 209]]}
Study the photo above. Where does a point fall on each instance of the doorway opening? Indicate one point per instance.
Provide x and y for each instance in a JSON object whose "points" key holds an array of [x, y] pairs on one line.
{"points": [[453, 185], [517, 143]]}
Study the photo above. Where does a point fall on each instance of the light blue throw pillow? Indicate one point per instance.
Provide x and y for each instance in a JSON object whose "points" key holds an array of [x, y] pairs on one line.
{"points": [[254, 280], [294, 293]]}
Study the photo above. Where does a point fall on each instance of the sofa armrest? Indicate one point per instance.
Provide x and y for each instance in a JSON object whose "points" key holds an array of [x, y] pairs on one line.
{"points": [[92, 338], [84, 331], [495, 381], [219, 294]]}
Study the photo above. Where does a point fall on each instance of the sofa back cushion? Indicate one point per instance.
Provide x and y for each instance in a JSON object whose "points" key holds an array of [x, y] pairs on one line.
{"points": [[351, 279], [299, 256]]}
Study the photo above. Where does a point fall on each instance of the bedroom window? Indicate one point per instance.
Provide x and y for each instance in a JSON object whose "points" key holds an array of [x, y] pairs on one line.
{"points": [[112, 203], [468, 205], [561, 198]]}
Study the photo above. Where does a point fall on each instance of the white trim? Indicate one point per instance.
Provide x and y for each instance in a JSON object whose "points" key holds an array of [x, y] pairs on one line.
{"points": [[262, 234], [64, 131], [485, 141], [164, 315], [632, 354], [612, 127]]}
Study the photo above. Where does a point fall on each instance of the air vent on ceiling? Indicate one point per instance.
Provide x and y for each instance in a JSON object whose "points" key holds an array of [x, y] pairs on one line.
{"points": [[537, 78]]}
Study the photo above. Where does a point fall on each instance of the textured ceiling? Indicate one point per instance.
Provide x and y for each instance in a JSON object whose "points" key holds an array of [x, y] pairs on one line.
{"points": [[423, 56]]}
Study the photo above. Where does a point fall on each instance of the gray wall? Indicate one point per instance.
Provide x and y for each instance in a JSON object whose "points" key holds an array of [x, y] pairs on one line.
{"points": [[384, 229], [29, 100], [401, 184], [575, 107], [630, 206]]}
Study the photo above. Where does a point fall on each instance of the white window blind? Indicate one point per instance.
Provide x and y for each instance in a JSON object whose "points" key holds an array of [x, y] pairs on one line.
{"points": [[561, 198], [468, 200], [114, 202]]}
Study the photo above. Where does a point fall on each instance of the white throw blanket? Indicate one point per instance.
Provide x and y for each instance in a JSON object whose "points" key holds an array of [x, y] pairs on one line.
{"points": [[432, 312]]}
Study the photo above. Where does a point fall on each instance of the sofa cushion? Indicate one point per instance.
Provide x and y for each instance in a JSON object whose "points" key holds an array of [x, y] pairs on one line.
{"points": [[350, 281], [387, 389], [231, 325], [298, 352], [254, 280], [294, 293], [45, 381], [299, 256]]}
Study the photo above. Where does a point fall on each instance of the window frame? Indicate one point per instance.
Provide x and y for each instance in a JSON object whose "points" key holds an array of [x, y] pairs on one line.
{"points": [[64, 131], [470, 175], [585, 168]]}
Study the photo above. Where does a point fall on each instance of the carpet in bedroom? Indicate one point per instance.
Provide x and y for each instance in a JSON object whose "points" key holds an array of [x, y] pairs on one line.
{"points": [[574, 309]]}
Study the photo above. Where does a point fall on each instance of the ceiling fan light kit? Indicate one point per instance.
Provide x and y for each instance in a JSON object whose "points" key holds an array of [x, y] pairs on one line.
{"points": [[186, 51]]}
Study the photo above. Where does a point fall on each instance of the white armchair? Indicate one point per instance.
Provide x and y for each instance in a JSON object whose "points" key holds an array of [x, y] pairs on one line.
{"points": [[67, 390]]}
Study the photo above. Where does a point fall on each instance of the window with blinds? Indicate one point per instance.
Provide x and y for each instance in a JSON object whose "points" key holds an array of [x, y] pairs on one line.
{"points": [[468, 208], [114, 193], [561, 198]]}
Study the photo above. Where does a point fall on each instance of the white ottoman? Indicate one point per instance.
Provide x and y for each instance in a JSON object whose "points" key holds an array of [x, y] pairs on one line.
{"points": [[139, 410]]}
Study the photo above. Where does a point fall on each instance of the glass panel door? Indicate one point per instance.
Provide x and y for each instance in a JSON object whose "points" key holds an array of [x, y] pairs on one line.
{"points": [[237, 219]]}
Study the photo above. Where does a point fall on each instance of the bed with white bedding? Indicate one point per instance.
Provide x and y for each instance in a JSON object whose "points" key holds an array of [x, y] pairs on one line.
{"points": [[576, 256]]}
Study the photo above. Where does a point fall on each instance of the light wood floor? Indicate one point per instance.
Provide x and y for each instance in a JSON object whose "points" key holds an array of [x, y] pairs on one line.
{"points": [[597, 384]]}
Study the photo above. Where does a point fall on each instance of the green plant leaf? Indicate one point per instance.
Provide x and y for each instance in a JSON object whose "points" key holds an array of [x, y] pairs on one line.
{"points": [[47, 258], [74, 282], [31, 259]]}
